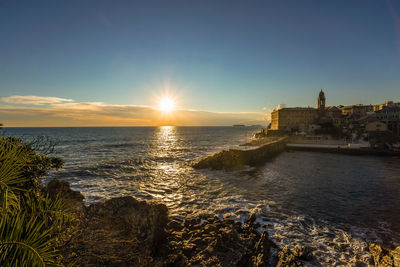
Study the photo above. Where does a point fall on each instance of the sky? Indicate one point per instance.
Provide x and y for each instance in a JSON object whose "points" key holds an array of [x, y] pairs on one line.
{"points": [[95, 63]]}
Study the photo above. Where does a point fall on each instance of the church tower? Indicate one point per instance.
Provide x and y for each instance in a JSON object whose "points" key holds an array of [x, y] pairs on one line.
{"points": [[321, 103]]}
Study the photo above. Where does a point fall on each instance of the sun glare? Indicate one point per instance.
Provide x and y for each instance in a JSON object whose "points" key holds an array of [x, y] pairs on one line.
{"points": [[167, 104]]}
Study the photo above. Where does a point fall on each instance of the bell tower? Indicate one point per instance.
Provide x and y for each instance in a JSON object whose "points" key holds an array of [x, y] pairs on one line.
{"points": [[321, 103]]}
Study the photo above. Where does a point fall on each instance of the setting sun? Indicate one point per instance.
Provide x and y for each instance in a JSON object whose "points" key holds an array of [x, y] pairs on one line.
{"points": [[167, 104]]}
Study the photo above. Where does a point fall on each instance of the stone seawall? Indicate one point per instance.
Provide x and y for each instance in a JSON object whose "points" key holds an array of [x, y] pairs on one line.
{"points": [[234, 159]]}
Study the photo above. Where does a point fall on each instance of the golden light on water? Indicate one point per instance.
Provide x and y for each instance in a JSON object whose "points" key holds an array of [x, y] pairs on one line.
{"points": [[167, 104], [166, 139]]}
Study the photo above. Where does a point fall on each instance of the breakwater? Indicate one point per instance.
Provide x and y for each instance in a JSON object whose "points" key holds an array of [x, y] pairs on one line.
{"points": [[234, 159]]}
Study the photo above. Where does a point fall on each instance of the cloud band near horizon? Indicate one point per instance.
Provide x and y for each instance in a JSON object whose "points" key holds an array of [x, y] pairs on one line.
{"points": [[61, 112]]}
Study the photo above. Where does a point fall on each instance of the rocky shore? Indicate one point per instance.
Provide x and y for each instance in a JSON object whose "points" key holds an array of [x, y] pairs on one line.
{"points": [[126, 231]]}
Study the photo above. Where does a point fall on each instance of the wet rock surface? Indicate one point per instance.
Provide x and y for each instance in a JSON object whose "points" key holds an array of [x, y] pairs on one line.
{"points": [[129, 232], [385, 257], [295, 256], [121, 231], [126, 231], [212, 242]]}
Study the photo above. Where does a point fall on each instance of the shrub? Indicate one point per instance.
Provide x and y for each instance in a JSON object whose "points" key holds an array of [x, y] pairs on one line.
{"points": [[31, 222]]}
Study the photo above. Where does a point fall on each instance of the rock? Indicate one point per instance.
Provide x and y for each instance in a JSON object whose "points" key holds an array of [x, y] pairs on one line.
{"points": [[121, 231], [138, 219], [125, 231], [294, 256], [396, 256], [375, 251], [73, 199], [263, 251], [383, 257], [218, 243], [252, 218]]}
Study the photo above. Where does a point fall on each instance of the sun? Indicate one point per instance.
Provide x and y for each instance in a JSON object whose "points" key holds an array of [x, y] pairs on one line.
{"points": [[167, 104]]}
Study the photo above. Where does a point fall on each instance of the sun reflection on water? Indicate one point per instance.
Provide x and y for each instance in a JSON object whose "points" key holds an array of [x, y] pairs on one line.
{"points": [[166, 180], [166, 140]]}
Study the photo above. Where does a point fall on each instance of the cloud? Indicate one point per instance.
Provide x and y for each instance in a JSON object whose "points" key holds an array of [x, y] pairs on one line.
{"points": [[34, 100], [101, 114]]}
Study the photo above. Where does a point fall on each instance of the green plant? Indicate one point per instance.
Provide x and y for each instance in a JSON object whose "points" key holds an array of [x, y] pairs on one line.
{"points": [[39, 163], [14, 159], [31, 223], [25, 242]]}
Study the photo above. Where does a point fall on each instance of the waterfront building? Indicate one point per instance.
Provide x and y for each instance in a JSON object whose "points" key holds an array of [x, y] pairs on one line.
{"points": [[391, 116], [346, 119], [297, 118], [290, 119]]}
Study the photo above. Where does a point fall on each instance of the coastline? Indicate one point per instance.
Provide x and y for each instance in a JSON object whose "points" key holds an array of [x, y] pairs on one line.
{"points": [[126, 231]]}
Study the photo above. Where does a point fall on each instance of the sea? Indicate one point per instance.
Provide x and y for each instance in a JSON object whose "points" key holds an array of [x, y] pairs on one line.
{"points": [[334, 204]]}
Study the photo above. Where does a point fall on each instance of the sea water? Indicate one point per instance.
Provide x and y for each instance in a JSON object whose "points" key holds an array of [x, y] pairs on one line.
{"points": [[334, 204]]}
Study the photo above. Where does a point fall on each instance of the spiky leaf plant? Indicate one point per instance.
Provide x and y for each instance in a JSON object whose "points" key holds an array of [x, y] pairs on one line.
{"points": [[39, 163], [25, 242], [29, 221], [14, 158]]}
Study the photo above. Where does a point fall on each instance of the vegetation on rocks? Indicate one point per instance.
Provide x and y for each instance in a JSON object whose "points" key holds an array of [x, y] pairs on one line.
{"points": [[32, 224]]}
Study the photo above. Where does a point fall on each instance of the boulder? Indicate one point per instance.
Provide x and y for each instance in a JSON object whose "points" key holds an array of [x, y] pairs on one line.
{"points": [[215, 242], [384, 257], [60, 188], [138, 219], [122, 231], [293, 256]]}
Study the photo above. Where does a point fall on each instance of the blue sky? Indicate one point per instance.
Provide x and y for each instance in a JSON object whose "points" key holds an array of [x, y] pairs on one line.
{"points": [[222, 56]]}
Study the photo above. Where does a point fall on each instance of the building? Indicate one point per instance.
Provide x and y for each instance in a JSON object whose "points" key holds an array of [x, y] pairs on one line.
{"points": [[293, 119], [298, 118], [389, 104], [346, 119], [356, 110], [391, 117], [321, 103]]}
